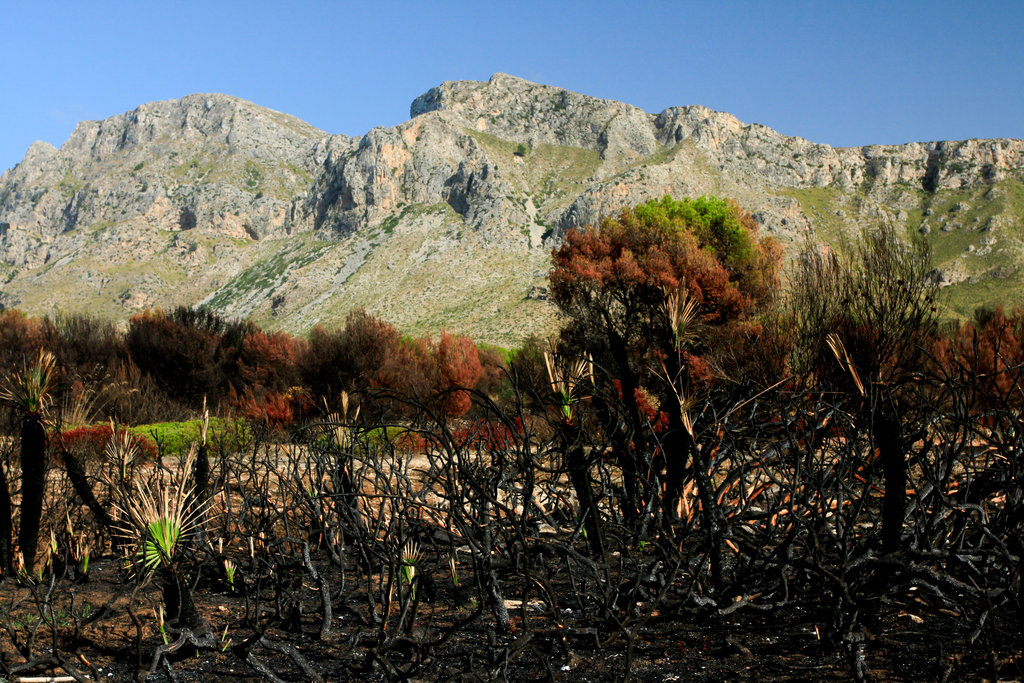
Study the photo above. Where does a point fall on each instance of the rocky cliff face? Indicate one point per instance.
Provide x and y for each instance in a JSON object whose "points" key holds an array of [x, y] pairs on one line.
{"points": [[448, 218], [175, 165]]}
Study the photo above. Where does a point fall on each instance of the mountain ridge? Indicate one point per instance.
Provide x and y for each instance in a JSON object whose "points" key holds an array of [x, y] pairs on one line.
{"points": [[447, 219]]}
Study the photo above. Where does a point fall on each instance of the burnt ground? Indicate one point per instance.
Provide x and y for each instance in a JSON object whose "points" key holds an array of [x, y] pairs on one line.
{"points": [[453, 637]]}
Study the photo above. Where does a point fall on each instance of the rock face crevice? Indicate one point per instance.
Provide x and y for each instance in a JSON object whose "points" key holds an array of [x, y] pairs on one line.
{"points": [[504, 163]]}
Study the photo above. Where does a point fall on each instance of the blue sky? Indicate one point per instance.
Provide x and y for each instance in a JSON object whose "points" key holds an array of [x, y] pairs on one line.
{"points": [[844, 73]]}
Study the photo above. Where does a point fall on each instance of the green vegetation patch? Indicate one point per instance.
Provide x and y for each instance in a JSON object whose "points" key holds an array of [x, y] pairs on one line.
{"points": [[820, 204], [661, 155], [69, 185], [252, 175], [100, 226], [281, 181], [175, 438], [505, 354], [269, 273], [962, 299], [493, 144], [576, 163], [388, 225], [551, 171], [304, 175], [400, 437], [983, 240], [1003, 201], [194, 170]]}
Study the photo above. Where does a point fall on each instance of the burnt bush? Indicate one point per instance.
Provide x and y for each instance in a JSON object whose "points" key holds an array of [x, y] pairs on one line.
{"points": [[834, 485]]}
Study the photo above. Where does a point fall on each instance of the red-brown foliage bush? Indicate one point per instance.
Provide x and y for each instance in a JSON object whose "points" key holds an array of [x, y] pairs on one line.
{"points": [[277, 410], [489, 435], [21, 338], [408, 369], [613, 282], [182, 355], [351, 358], [988, 353], [492, 370], [194, 354], [90, 442], [423, 369], [268, 361], [611, 279], [657, 419], [458, 367]]}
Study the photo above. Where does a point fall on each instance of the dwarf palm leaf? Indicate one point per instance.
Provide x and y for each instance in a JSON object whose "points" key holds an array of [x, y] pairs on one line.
{"points": [[410, 560], [567, 376], [163, 537], [160, 516], [29, 390], [411, 556], [682, 312]]}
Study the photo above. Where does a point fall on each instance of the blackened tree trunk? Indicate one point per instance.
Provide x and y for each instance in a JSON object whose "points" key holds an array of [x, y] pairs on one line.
{"points": [[676, 442], [889, 440], [6, 526], [680, 449], [675, 447], [579, 477], [708, 511], [200, 488], [625, 431], [33, 483], [80, 483], [201, 474], [350, 492], [181, 609]]}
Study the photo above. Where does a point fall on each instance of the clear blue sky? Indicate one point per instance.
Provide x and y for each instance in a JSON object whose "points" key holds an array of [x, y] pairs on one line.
{"points": [[844, 73]]}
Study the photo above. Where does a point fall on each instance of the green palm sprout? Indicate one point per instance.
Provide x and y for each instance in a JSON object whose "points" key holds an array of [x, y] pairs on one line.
{"points": [[80, 548], [156, 513], [163, 537], [453, 571], [229, 572], [566, 378], [83, 559], [161, 516], [411, 556], [161, 625]]}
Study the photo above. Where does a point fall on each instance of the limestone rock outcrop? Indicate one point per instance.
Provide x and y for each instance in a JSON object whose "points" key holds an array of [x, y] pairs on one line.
{"points": [[213, 199]]}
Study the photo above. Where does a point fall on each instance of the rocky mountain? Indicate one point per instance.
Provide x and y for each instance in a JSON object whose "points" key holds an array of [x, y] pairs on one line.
{"points": [[447, 220]]}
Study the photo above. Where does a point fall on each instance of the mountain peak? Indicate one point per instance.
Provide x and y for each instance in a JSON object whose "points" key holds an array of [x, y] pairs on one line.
{"points": [[499, 90], [535, 114], [218, 118], [446, 220]]}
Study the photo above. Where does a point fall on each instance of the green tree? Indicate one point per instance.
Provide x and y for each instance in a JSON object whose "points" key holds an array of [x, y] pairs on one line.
{"points": [[613, 283]]}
